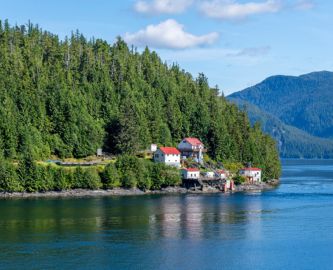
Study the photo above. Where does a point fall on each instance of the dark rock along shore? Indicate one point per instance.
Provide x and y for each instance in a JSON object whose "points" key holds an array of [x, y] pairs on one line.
{"points": [[130, 192]]}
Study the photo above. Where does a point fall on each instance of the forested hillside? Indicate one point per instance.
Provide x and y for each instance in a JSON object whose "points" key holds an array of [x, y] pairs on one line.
{"points": [[69, 97], [304, 102], [292, 142]]}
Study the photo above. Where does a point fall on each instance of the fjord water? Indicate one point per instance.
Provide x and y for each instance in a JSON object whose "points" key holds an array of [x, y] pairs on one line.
{"points": [[290, 227]]}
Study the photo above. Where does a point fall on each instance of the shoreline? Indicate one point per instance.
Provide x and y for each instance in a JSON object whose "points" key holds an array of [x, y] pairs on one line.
{"points": [[81, 193]]}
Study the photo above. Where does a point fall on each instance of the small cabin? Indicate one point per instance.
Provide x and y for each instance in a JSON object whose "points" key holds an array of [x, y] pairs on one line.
{"points": [[190, 173], [252, 175], [167, 155], [153, 148], [221, 174]]}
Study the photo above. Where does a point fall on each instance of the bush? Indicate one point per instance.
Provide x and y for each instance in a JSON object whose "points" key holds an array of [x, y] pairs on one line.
{"points": [[172, 177], [62, 180], [86, 178], [129, 180], [238, 180], [8, 178], [110, 177]]}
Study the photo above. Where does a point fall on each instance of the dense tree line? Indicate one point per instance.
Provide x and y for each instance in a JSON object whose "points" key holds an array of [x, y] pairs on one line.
{"points": [[127, 172], [69, 97]]}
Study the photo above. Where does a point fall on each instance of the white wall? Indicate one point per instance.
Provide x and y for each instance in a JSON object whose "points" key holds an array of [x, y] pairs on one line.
{"points": [[255, 174], [171, 160], [190, 175]]}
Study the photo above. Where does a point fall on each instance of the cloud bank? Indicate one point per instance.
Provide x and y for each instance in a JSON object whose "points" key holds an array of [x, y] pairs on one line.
{"points": [[169, 34]]}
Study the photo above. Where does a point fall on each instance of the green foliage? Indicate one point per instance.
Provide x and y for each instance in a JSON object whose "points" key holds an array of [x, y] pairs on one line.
{"points": [[292, 142], [233, 167], [62, 180], [8, 177], [68, 98], [238, 179], [110, 177], [86, 178], [296, 111]]}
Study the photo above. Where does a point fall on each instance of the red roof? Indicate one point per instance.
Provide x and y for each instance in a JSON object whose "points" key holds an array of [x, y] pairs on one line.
{"points": [[220, 171], [193, 141], [191, 169], [170, 150], [251, 169]]}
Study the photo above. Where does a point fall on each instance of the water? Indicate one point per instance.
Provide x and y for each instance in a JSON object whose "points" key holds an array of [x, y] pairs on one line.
{"points": [[290, 227]]}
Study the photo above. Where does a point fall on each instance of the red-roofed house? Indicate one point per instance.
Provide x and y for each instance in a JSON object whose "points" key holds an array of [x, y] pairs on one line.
{"points": [[192, 147], [168, 155], [190, 173], [253, 175]]}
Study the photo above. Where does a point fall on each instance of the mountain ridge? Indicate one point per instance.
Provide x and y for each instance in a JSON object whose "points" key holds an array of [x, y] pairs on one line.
{"points": [[299, 104]]}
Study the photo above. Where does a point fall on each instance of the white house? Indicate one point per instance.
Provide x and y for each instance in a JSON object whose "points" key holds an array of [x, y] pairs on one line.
{"points": [[190, 173], [253, 175], [167, 155], [222, 174], [192, 147]]}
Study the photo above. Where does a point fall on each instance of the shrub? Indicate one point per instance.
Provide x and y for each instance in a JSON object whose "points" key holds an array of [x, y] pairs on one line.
{"points": [[238, 180], [110, 176], [8, 178]]}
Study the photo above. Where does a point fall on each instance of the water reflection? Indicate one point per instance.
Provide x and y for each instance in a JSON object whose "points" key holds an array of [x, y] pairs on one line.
{"points": [[132, 218]]}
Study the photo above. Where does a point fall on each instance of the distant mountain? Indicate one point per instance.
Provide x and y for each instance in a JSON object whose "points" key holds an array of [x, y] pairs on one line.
{"points": [[296, 111], [305, 102], [292, 142]]}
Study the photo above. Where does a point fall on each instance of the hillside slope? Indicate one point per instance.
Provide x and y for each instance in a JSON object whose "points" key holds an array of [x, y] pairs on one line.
{"points": [[68, 98], [292, 142], [304, 102]]}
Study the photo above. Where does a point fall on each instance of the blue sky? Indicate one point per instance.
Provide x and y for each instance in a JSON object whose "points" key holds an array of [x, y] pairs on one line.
{"points": [[236, 43]]}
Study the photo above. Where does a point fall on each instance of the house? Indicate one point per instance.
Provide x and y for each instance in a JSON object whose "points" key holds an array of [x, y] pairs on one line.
{"points": [[222, 174], [192, 148], [253, 175], [190, 173], [168, 155]]}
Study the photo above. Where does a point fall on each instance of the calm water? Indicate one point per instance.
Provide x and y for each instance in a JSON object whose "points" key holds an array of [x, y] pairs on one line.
{"points": [[287, 228]]}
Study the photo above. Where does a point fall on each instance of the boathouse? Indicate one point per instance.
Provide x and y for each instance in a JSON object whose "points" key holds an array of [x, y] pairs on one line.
{"points": [[190, 173], [252, 175]]}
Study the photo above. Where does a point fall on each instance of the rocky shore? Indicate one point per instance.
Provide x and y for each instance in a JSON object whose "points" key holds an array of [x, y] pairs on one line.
{"points": [[130, 192]]}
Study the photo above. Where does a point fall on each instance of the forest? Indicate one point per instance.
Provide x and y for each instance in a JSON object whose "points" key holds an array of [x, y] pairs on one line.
{"points": [[66, 98]]}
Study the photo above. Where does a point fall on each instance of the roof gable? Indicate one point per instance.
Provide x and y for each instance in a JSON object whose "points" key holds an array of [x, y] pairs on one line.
{"points": [[193, 141], [251, 169], [191, 169], [170, 150]]}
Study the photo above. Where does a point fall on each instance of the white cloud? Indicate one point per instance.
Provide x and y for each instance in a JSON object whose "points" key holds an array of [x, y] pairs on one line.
{"points": [[169, 34], [232, 10], [251, 52], [304, 5], [162, 6]]}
